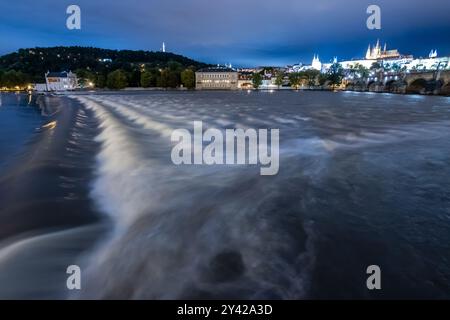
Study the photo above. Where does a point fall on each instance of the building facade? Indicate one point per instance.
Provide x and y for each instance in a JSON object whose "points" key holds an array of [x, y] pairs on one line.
{"points": [[61, 81], [316, 64], [377, 53], [217, 78]]}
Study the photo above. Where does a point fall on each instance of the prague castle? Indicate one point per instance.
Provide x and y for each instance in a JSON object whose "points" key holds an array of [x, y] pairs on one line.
{"points": [[376, 52]]}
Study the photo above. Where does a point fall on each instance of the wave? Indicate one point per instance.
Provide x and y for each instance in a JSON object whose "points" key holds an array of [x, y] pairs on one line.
{"points": [[188, 232]]}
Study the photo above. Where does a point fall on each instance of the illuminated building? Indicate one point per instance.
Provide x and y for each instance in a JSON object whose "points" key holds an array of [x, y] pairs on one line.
{"points": [[377, 53], [316, 64], [61, 81], [217, 78]]}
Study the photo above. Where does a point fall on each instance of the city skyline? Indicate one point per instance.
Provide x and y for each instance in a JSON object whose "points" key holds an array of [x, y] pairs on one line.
{"points": [[246, 34]]}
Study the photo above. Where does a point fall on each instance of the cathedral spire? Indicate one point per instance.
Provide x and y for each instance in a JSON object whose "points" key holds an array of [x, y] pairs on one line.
{"points": [[368, 53]]}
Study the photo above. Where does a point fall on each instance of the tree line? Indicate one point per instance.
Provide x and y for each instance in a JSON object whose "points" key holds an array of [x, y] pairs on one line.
{"points": [[172, 76], [13, 78], [102, 67]]}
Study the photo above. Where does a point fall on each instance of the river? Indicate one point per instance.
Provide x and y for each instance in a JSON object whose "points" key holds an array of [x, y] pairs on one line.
{"points": [[87, 179]]}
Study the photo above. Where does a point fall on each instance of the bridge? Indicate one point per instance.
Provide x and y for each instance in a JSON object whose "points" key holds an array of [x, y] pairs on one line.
{"points": [[442, 75], [428, 82]]}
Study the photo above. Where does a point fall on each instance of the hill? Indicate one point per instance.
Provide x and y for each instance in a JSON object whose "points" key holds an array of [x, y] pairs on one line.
{"points": [[33, 63]]}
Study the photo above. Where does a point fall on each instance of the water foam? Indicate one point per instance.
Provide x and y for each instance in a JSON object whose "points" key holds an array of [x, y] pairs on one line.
{"points": [[173, 238]]}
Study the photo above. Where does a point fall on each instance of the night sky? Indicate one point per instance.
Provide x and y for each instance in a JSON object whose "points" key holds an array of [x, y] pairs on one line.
{"points": [[241, 32]]}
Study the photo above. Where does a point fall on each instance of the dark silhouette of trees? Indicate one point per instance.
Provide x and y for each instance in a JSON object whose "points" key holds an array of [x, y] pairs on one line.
{"points": [[256, 80], [188, 78], [117, 79], [94, 63]]}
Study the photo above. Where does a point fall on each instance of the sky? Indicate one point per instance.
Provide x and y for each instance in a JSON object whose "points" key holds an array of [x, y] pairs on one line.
{"points": [[241, 32]]}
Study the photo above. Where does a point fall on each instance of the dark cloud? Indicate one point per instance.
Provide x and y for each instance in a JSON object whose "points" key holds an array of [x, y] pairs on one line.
{"points": [[248, 32]]}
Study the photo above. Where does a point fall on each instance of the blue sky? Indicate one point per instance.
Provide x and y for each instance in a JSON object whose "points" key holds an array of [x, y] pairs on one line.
{"points": [[241, 32]]}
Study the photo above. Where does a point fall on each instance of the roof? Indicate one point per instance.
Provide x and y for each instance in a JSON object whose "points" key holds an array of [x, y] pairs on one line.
{"points": [[63, 74], [217, 69]]}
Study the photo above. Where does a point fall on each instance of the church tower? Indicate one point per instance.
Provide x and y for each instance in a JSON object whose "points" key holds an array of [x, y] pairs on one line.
{"points": [[316, 64], [378, 49], [369, 53]]}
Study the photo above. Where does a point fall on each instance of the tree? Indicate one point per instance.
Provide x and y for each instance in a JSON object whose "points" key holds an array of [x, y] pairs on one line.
{"points": [[335, 74], [358, 71], [35, 62], [295, 79], [149, 78], [133, 77], [173, 78], [100, 80], [14, 78], [363, 72], [146, 77], [163, 79], [396, 67], [170, 77], [279, 79], [188, 78], [322, 79], [84, 77], [375, 66], [352, 70], [175, 66], [256, 80], [311, 76], [117, 80]]}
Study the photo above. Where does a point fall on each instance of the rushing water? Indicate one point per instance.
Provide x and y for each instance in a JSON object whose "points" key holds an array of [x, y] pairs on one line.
{"points": [[364, 179]]}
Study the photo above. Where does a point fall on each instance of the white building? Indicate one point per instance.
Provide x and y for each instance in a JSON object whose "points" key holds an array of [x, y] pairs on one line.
{"points": [[316, 64], [352, 63], [268, 84], [40, 87], [376, 52], [433, 54], [392, 58], [61, 81]]}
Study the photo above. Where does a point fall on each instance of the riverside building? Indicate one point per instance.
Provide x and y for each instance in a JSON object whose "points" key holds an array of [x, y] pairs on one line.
{"points": [[61, 81], [216, 78]]}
